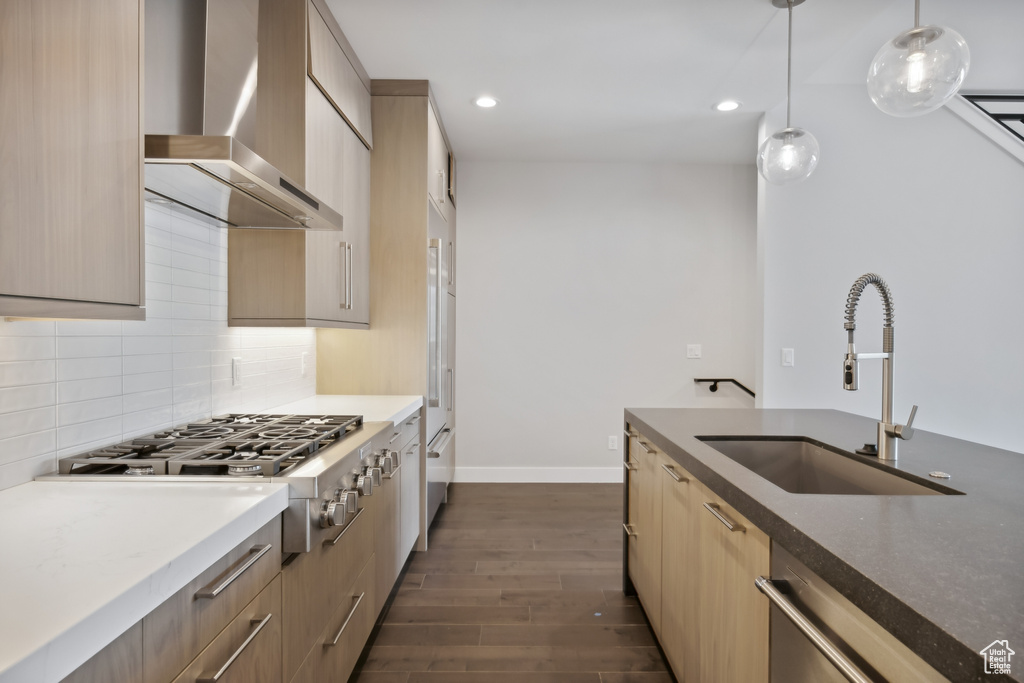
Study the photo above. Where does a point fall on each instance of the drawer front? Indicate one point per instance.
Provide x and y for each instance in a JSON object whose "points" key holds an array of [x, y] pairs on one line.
{"points": [[405, 432], [313, 583], [349, 627], [248, 650], [176, 631]]}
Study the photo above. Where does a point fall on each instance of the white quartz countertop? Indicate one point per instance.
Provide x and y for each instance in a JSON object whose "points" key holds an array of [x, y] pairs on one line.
{"points": [[81, 562], [373, 408]]}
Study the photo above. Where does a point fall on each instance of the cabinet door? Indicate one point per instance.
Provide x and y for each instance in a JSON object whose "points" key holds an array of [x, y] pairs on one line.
{"points": [[437, 164], [647, 574], [356, 210], [71, 178], [248, 650], [412, 502], [348, 629], [680, 564], [733, 615]]}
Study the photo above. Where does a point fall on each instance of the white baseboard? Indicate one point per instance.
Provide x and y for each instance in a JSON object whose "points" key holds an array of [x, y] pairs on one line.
{"points": [[539, 475]]}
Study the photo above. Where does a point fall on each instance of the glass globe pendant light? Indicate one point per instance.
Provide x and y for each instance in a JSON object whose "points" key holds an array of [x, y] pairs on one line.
{"points": [[919, 70], [791, 154]]}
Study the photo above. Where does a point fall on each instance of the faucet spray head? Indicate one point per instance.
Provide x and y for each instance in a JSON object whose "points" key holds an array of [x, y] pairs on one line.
{"points": [[851, 370]]}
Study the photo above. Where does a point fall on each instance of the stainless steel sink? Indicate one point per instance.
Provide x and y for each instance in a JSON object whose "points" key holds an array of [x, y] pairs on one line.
{"points": [[801, 465]]}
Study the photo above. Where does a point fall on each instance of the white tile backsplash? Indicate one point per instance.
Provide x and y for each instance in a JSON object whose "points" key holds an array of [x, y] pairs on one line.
{"points": [[68, 386]]}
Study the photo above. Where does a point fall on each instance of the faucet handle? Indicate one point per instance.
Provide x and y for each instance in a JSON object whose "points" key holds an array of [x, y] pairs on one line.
{"points": [[906, 432]]}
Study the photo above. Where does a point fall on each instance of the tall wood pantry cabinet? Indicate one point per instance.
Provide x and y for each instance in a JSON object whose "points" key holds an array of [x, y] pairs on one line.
{"points": [[412, 200]]}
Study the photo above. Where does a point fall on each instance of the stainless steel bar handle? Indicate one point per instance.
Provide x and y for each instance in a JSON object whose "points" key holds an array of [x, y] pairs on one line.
{"points": [[413, 421], [211, 591], [825, 646], [629, 466], [630, 531], [213, 678], [351, 613], [393, 473], [451, 264], [348, 271], [444, 440], [334, 541], [440, 187], [714, 509], [643, 445], [451, 388], [672, 473]]}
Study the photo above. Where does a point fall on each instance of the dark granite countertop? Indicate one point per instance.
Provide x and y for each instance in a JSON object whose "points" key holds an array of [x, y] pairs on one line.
{"points": [[944, 574]]}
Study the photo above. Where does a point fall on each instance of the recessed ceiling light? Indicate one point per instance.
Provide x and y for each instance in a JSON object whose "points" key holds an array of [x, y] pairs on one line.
{"points": [[485, 101], [727, 105]]}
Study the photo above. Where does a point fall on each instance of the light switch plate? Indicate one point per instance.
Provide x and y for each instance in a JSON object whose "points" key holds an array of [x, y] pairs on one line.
{"points": [[693, 350], [788, 359]]}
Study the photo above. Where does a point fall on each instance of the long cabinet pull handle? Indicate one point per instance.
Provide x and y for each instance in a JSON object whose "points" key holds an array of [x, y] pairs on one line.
{"points": [[213, 678], [714, 509], [412, 421], [644, 446], [393, 473], [334, 541], [348, 272], [211, 591], [630, 531], [825, 646], [351, 613], [629, 466], [672, 473]]}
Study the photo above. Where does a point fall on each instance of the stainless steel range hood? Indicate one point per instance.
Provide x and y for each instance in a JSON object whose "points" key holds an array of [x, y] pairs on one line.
{"points": [[201, 87]]}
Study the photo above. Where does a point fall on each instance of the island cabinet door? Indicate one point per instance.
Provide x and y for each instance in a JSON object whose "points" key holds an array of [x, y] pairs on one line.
{"points": [[680, 575], [646, 573], [733, 615]]}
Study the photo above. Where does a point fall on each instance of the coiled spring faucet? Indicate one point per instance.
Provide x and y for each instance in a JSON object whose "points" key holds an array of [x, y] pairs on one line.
{"points": [[888, 432]]}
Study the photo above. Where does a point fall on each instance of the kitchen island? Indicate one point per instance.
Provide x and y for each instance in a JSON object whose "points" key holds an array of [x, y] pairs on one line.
{"points": [[943, 573]]}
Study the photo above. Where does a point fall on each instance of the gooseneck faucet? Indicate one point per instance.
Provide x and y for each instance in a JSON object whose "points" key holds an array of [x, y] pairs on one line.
{"points": [[888, 432]]}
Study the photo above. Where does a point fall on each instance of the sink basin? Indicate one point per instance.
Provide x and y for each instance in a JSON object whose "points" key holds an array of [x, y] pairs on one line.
{"points": [[802, 465]]}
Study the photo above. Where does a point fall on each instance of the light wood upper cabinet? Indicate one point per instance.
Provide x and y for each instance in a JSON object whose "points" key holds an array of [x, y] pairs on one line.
{"points": [[71, 218], [437, 167], [314, 123]]}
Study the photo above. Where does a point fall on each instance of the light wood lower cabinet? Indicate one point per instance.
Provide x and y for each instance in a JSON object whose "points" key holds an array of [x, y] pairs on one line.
{"points": [[314, 585], [248, 650], [118, 662], [334, 655], [178, 630], [646, 573], [711, 621]]}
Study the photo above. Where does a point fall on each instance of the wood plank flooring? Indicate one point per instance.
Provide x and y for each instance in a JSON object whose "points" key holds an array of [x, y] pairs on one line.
{"points": [[522, 583]]}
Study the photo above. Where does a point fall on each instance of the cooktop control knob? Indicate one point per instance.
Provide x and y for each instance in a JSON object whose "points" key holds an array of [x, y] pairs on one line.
{"points": [[332, 514], [364, 484], [386, 462], [374, 472]]}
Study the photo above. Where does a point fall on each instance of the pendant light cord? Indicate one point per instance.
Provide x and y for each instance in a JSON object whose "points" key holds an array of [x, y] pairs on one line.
{"points": [[789, 65], [917, 13]]}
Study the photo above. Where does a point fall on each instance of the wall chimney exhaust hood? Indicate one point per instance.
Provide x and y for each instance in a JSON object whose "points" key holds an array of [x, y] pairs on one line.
{"points": [[201, 85]]}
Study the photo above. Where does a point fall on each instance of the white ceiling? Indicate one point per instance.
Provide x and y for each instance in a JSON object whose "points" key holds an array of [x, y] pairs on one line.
{"points": [[636, 80]]}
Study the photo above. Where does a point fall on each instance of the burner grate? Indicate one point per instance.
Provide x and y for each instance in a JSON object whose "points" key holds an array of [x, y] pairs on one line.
{"points": [[233, 444]]}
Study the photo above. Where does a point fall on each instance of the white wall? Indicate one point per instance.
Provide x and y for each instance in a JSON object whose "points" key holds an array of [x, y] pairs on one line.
{"points": [[937, 210], [69, 386], [580, 286]]}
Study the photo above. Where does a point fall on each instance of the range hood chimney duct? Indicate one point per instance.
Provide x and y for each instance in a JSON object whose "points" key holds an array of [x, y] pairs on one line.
{"points": [[201, 87]]}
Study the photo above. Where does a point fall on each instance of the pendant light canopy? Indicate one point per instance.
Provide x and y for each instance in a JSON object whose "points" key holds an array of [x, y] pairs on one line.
{"points": [[791, 154], [919, 70]]}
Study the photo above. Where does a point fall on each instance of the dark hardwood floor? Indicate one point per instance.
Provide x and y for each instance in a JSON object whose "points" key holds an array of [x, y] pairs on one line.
{"points": [[522, 583]]}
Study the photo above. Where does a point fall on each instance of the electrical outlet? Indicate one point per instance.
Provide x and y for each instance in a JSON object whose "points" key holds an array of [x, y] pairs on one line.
{"points": [[693, 350], [788, 359], [613, 443], [305, 362], [236, 372]]}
